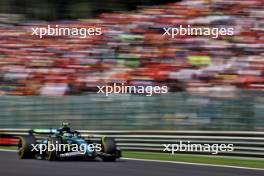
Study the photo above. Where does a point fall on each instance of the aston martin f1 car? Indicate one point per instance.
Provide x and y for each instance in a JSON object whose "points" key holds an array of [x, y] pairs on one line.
{"points": [[63, 144]]}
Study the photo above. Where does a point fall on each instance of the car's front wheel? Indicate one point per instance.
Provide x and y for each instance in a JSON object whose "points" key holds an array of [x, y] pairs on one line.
{"points": [[109, 148]]}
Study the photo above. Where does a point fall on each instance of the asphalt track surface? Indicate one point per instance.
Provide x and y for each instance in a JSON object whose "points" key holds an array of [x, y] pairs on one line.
{"points": [[11, 165]]}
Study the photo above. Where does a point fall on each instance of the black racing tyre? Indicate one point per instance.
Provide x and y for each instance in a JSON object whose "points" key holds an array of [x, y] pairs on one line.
{"points": [[109, 147], [53, 155], [25, 147]]}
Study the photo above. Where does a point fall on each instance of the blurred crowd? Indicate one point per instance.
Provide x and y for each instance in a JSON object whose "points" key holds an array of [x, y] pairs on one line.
{"points": [[133, 50]]}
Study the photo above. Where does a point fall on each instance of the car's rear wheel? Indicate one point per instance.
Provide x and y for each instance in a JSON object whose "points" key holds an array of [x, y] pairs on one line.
{"points": [[53, 155], [25, 147], [109, 148]]}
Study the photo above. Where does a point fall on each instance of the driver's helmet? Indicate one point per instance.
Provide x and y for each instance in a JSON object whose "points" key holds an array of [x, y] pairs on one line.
{"points": [[65, 125]]}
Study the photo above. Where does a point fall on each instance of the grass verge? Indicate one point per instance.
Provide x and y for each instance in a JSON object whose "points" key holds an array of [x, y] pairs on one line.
{"points": [[217, 160], [8, 148]]}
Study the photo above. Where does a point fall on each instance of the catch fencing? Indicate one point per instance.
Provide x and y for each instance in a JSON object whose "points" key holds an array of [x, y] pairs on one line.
{"points": [[241, 111]]}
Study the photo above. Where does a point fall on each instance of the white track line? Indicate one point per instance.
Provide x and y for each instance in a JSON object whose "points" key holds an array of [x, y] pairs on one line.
{"points": [[197, 164]]}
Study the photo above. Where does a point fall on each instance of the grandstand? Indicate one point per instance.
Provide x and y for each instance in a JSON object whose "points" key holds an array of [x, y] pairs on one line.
{"points": [[132, 50]]}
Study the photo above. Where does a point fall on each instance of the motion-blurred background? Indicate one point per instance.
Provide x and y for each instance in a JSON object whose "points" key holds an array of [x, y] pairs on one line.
{"points": [[214, 84]]}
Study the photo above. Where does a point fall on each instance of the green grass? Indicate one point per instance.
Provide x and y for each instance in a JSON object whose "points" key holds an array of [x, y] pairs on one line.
{"points": [[8, 148], [217, 160], [213, 159]]}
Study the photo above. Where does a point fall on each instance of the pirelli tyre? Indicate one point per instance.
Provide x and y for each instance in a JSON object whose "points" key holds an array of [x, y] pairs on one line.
{"points": [[25, 147], [53, 155], [109, 148]]}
